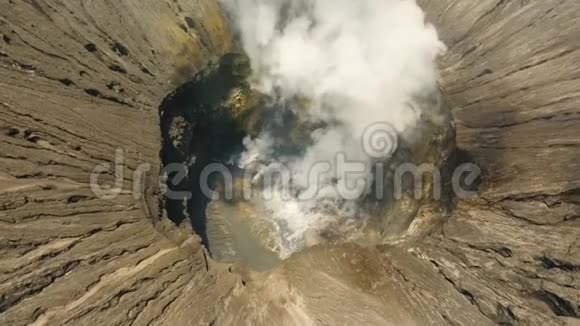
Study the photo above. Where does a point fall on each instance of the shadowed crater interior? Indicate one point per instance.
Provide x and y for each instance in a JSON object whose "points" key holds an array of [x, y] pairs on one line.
{"points": [[204, 123]]}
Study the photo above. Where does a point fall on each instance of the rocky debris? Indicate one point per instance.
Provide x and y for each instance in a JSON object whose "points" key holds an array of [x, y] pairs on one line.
{"points": [[120, 49], [91, 47]]}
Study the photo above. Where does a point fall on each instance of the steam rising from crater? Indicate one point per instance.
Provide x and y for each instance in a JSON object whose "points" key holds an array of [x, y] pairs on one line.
{"points": [[351, 64]]}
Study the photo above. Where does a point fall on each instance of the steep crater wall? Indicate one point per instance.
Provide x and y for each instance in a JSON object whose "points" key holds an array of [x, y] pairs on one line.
{"points": [[510, 257]]}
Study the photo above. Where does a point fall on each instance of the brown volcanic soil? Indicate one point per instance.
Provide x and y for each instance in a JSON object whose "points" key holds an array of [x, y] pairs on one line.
{"points": [[80, 79]]}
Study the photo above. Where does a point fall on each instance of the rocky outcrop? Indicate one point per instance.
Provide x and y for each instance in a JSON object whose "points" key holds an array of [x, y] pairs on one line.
{"points": [[80, 87]]}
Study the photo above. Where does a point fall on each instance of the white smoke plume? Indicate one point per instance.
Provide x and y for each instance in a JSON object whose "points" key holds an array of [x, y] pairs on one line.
{"points": [[355, 62]]}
